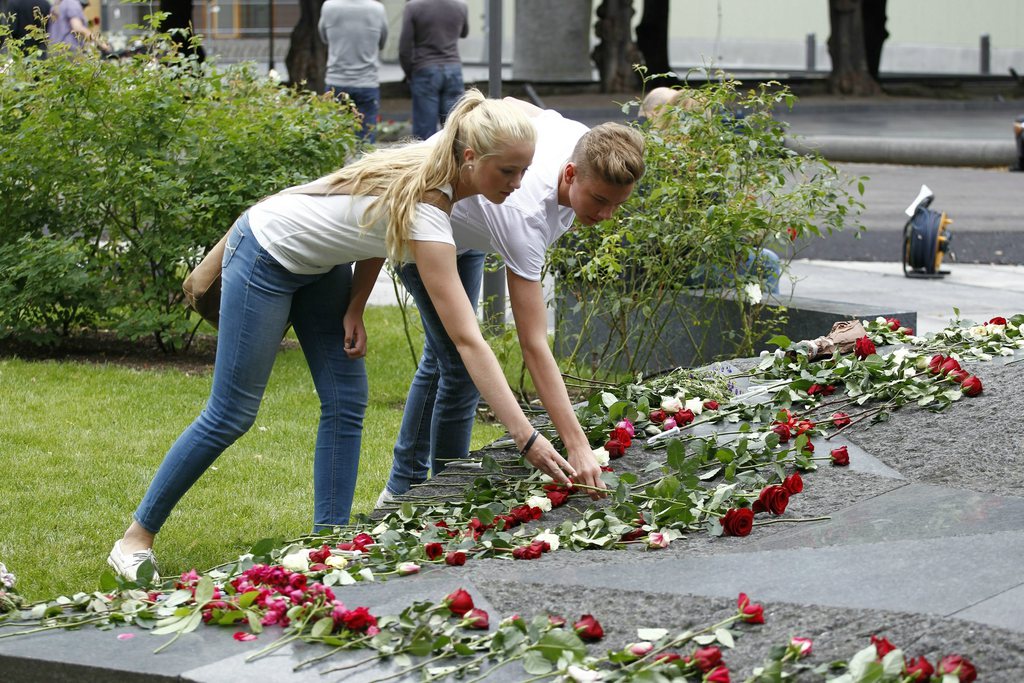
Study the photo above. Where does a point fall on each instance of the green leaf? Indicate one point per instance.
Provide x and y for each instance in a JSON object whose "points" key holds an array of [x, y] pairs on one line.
{"points": [[204, 590], [535, 664], [724, 636], [421, 647], [263, 547], [108, 581], [553, 644], [781, 340], [322, 627]]}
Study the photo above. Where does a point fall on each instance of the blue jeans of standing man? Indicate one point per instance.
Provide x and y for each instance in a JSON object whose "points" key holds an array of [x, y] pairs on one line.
{"points": [[438, 420], [435, 90], [367, 101], [258, 299]]}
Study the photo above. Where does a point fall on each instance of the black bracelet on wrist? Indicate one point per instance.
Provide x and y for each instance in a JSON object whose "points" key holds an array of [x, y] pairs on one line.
{"points": [[529, 443]]}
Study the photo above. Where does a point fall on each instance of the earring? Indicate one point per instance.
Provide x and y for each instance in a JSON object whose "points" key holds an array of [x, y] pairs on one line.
{"points": [[470, 166]]}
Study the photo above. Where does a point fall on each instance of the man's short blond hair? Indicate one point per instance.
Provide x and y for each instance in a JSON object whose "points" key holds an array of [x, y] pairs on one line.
{"points": [[659, 99], [612, 152]]}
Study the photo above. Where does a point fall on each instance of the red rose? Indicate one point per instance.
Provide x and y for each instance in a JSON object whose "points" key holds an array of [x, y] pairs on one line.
{"points": [[459, 602], [633, 535], [558, 498], [320, 556], [615, 449], [588, 628], [773, 499], [893, 323], [707, 658], [455, 558], [808, 447], [737, 522], [882, 646], [840, 419], [804, 426], [971, 386], [667, 657], [998, 320], [719, 675], [783, 432], [909, 331], [657, 416], [556, 621], [522, 513], [959, 376], [711, 404], [621, 435], [358, 619], [477, 619], [935, 362], [815, 389], [794, 483], [684, 417], [840, 456], [959, 666], [948, 366], [918, 669], [753, 613], [863, 347], [433, 550]]}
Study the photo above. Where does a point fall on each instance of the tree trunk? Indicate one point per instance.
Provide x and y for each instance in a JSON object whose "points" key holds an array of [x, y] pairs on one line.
{"points": [[652, 41], [179, 25], [846, 47], [874, 16], [616, 54], [307, 54]]}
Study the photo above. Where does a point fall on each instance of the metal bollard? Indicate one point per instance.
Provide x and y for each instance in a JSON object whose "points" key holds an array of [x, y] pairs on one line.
{"points": [[1018, 137], [812, 52], [986, 54]]}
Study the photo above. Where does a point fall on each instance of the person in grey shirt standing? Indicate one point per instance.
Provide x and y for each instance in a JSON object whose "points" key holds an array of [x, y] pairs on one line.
{"points": [[428, 50], [355, 32]]}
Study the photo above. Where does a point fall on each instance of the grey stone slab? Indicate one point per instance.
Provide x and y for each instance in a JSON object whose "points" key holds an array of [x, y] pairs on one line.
{"points": [[1002, 610], [916, 511], [209, 654], [860, 459], [914, 576]]}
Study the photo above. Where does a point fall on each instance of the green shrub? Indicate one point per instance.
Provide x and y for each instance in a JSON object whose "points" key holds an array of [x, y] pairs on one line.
{"points": [[720, 186], [142, 163]]}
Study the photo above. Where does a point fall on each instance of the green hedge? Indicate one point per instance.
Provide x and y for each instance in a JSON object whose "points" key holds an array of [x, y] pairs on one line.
{"points": [[117, 174]]}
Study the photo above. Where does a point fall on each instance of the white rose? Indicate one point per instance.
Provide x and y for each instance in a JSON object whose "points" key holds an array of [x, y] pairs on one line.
{"points": [[336, 561], [297, 561], [695, 405], [752, 291], [601, 455], [671, 404], [542, 502], [581, 675], [546, 535]]}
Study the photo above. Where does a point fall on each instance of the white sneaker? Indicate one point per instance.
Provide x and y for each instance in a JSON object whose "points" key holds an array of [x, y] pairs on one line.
{"points": [[384, 498], [128, 565]]}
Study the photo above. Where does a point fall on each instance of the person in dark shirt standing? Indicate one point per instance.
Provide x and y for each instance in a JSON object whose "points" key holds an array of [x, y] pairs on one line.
{"points": [[25, 13], [428, 50]]}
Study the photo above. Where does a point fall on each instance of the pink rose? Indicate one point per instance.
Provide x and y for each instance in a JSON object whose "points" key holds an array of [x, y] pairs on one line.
{"points": [[668, 424], [640, 649], [657, 540], [840, 456], [801, 646]]}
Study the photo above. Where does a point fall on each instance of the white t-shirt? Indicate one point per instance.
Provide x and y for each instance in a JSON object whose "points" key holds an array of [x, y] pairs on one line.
{"points": [[523, 227], [310, 234]]}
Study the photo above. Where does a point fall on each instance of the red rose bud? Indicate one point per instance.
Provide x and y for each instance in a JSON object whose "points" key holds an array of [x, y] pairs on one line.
{"points": [[657, 416], [882, 646], [433, 550], [684, 417], [909, 331], [783, 432], [804, 426], [998, 320], [588, 628], [753, 613], [815, 389], [615, 449], [971, 386], [711, 404], [893, 323], [918, 669], [622, 435], [707, 658], [793, 234], [737, 522], [863, 347], [459, 602], [840, 419], [808, 447], [558, 498], [840, 456], [718, 675], [958, 376], [801, 646], [478, 619], [556, 621], [633, 535], [667, 657], [948, 366], [794, 484], [320, 556], [935, 363], [455, 558], [958, 666]]}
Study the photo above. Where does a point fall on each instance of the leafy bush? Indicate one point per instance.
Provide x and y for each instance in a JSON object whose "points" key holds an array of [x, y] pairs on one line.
{"points": [[668, 278], [140, 164]]}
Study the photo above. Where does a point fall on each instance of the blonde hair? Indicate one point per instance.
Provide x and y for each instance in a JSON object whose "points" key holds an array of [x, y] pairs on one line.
{"points": [[612, 152], [401, 176], [659, 102]]}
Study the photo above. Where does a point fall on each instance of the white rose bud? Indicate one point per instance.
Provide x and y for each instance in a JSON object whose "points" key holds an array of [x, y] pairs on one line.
{"points": [[671, 404]]}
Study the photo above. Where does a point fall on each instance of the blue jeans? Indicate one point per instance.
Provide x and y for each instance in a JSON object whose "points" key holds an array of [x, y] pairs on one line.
{"points": [[435, 89], [258, 298], [438, 420], [367, 101]]}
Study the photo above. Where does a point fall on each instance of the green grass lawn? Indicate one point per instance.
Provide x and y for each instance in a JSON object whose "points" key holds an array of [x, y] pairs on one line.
{"points": [[80, 442]]}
